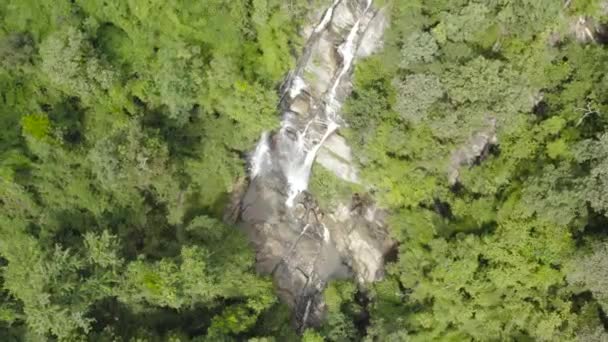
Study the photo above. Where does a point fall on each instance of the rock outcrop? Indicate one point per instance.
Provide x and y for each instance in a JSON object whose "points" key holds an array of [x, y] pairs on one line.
{"points": [[300, 244], [476, 149], [304, 247], [336, 156]]}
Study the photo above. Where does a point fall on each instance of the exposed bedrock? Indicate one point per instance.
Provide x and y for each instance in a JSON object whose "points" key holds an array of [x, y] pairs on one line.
{"points": [[300, 244]]}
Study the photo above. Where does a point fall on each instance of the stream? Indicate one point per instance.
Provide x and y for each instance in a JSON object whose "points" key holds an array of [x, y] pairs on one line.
{"points": [[300, 244]]}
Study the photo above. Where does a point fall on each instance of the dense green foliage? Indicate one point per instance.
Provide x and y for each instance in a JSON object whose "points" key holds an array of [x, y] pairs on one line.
{"points": [[124, 124], [512, 250], [124, 129]]}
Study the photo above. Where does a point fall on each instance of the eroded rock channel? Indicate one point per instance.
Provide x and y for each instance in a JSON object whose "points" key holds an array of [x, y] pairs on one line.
{"points": [[302, 245]]}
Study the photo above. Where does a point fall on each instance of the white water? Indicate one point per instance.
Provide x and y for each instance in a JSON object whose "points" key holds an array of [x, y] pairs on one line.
{"points": [[347, 51], [326, 18], [297, 154], [260, 156], [297, 179], [296, 87]]}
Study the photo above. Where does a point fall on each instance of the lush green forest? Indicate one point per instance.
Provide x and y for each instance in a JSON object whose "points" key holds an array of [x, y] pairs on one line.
{"points": [[124, 125], [482, 126]]}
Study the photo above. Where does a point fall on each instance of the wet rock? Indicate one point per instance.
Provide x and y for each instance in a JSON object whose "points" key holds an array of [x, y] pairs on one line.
{"points": [[344, 17], [300, 106], [304, 249], [299, 245], [314, 18], [299, 211], [336, 156], [320, 69]]}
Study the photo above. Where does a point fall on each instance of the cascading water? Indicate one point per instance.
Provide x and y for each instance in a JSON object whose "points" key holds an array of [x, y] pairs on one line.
{"points": [[347, 51], [297, 86], [326, 18], [297, 148], [302, 248], [260, 156], [298, 172]]}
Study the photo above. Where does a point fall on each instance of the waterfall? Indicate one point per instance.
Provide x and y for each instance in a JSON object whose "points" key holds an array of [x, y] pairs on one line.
{"points": [[260, 157], [297, 180], [292, 243], [347, 51], [297, 86], [296, 148]]}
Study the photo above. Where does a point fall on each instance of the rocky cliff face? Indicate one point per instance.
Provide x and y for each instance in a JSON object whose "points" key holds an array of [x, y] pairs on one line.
{"points": [[476, 149], [300, 244]]}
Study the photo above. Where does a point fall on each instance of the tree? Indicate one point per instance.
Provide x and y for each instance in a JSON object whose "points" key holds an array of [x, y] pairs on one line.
{"points": [[594, 152], [68, 60], [418, 48], [589, 272], [417, 93], [125, 128], [485, 258], [341, 312]]}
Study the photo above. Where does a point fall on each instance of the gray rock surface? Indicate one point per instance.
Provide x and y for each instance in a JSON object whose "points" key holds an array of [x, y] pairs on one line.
{"points": [[301, 245], [477, 148], [373, 37], [336, 156]]}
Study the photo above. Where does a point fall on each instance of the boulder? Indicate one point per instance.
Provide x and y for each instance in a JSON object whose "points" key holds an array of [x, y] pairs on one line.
{"points": [[336, 156]]}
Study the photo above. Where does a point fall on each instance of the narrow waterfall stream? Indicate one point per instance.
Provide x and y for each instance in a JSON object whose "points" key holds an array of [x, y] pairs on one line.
{"points": [[295, 240], [298, 159]]}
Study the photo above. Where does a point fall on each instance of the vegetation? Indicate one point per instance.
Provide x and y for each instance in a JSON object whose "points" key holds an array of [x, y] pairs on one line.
{"points": [[124, 126], [504, 96], [330, 190], [482, 126]]}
